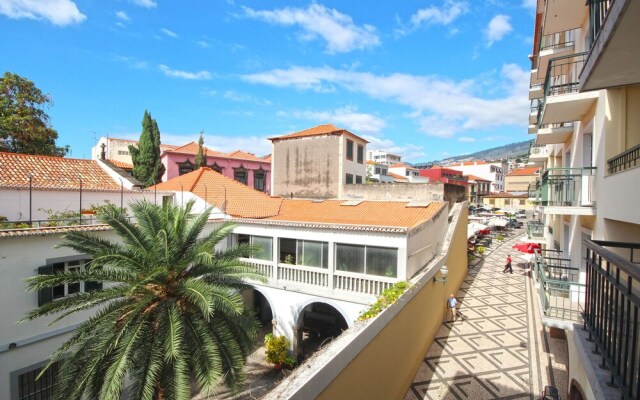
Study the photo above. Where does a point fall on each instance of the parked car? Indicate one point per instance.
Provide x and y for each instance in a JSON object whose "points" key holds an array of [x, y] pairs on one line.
{"points": [[514, 223], [521, 215]]}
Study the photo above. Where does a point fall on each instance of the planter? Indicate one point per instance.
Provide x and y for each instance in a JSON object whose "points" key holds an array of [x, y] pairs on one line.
{"points": [[277, 365]]}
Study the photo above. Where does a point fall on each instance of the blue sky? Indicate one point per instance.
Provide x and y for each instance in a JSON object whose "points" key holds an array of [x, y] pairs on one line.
{"points": [[424, 79]]}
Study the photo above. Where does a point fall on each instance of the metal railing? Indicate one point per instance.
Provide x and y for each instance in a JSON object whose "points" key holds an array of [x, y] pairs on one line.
{"points": [[535, 229], [84, 220], [598, 11], [538, 150], [563, 74], [625, 160], [568, 187], [612, 312], [558, 40], [561, 294], [534, 192]]}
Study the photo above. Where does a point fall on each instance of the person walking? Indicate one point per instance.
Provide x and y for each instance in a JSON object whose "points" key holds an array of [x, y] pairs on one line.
{"points": [[507, 266], [452, 304]]}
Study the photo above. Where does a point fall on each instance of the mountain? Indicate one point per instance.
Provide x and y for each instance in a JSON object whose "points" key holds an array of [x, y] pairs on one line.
{"points": [[513, 150]]}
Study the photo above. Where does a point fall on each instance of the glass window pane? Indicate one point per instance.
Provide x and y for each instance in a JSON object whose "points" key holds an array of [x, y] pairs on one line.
{"points": [[382, 261], [244, 239], [312, 254], [349, 258], [266, 248], [287, 251], [325, 255]]}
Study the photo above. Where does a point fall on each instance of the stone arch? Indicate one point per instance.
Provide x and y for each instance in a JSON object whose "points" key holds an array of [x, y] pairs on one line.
{"points": [[575, 391], [318, 321]]}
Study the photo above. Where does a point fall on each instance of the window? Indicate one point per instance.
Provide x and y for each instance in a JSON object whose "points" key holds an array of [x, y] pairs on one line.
{"points": [[258, 180], [358, 179], [240, 175], [406, 172], [49, 294], [307, 253], [28, 388], [123, 153], [377, 170], [369, 260], [167, 200], [349, 179], [265, 243], [349, 149], [185, 167], [383, 171], [216, 167], [360, 154]]}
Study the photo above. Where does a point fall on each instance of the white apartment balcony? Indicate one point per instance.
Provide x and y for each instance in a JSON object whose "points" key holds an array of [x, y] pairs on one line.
{"points": [[555, 45], [538, 153], [563, 15], [614, 59], [568, 191], [534, 110], [536, 91], [554, 133], [382, 178], [533, 128], [563, 102]]}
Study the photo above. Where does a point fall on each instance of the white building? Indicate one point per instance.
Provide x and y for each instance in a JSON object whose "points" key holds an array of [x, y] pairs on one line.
{"points": [[405, 173], [491, 171], [378, 172], [383, 157]]}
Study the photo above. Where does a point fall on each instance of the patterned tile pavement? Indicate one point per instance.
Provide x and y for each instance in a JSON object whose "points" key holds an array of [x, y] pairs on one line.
{"points": [[499, 349]]}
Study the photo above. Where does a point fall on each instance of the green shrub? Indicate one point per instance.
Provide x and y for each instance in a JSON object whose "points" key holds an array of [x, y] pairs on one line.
{"points": [[387, 297], [500, 237], [480, 250], [470, 257], [277, 350]]}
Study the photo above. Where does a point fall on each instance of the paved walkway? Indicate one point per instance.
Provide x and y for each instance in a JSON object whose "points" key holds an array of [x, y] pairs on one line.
{"points": [[500, 349]]}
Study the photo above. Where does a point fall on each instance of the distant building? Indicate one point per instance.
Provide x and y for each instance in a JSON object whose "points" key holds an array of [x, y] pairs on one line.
{"points": [[493, 171], [378, 172], [519, 180], [383, 157], [117, 150], [508, 201], [317, 162], [477, 188], [405, 173], [444, 175]]}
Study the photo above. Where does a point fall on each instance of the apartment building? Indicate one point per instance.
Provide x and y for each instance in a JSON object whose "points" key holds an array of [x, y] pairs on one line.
{"points": [[477, 188], [377, 172], [317, 162], [492, 171], [585, 97], [403, 173], [383, 157], [444, 175], [519, 180]]}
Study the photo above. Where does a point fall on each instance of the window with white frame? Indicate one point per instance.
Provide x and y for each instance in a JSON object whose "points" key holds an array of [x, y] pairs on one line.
{"points": [[308, 253], [27, 387], [264, 244], [371, 260], [47, 295]]}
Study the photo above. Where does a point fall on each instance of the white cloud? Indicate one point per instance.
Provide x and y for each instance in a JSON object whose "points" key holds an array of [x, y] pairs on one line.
{"points": [[131, 62], [122, 16], [529, 4], [145, 3], [58, 12], [408, 152], [224, 143], [169, 33], [345, 117], [338, 30], [444, 15], [203, 44], [243, 98], [498, 28], [440, 106], [466, 139], [201, 75]]}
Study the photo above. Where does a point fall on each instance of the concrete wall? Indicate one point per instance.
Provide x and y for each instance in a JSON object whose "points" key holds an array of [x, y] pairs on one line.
{"points": [[307, 167], [378, 359], [395, 191], [424, 242], [518, 183]]}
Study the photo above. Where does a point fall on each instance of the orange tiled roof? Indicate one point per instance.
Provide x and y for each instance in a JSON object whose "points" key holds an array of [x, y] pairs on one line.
{"points": [[477, 178], [243, 155], [401, 165], [397, 177], [525, 171], [121, 164], [216, 189], [371, 213], [320, 130], [501, 195], [192, 148], [267, 158], [163, 146], [55, 173], [475, 162]]}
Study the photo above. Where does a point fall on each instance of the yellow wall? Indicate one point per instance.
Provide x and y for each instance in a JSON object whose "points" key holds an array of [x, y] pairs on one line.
{"points": [[633, 117], [386, 367]]}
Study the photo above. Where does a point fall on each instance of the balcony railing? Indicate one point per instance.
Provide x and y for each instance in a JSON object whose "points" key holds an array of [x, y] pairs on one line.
{"points": [[568, 187], [561, 294], [558, 40], [538, 150], [535, 230], [563, 74], [320, 278], [534, 192], [83, 220], [612, 312], [598, 10], [624, 160]]}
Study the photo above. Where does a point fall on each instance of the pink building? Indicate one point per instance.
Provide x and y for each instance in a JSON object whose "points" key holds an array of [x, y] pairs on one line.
{"points": [[243, 167]]}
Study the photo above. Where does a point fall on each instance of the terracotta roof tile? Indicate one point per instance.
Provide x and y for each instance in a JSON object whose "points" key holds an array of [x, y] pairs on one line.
{"points": [[477, 178], [320, 130], [53, 173], [401, 165], [398, 177], [216, 189], [525, 171], [243, 155], [192, 149], [371, 213], [121, 164]]}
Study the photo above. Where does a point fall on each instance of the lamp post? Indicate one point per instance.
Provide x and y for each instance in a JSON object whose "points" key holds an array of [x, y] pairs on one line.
{"points": [[443, 271]]}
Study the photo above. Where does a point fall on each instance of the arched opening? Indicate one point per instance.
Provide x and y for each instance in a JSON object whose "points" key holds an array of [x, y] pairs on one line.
{"points": [[262, 309], [318, 324], [575, 392]]}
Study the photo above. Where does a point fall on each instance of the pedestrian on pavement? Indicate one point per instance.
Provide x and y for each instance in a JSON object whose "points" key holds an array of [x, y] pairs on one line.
{"points": [[452, 305], [507, 266]]}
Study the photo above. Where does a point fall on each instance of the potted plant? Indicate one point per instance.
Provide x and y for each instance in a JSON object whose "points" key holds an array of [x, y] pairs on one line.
{"points": [[277, 351]]}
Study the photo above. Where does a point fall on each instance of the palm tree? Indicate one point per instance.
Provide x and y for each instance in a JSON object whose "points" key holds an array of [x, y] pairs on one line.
{"points": [[172, 319]]}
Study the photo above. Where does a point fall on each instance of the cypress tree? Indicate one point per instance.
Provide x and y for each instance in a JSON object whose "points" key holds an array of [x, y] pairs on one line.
{"points": [[201, 160], [147, 167]]}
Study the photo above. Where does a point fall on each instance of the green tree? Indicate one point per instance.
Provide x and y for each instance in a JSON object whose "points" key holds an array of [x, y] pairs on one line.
{"points": [[24, 125], [171, 314], [201, 160], [147, 166]]}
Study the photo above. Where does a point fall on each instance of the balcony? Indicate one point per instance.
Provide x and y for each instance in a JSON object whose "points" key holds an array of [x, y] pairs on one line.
{"points": [[536, 232], [563, 15], [611, 315], [534, 109], [554, 133], [614, 59], [558, 44], [625, 160], [562, 101], [538, 153], [536, 90], [568, 191], [561, 294]]}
